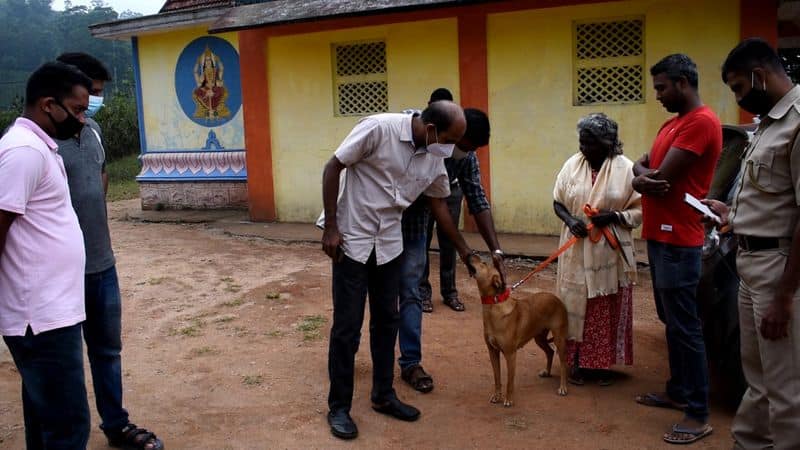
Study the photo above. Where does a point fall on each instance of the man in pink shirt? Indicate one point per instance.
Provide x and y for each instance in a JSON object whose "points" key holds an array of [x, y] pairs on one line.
{"points": [[42, 260]]}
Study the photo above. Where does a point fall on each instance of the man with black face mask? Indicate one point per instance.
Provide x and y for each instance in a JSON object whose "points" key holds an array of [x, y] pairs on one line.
{"points": [[764, 216], [42, 258]]}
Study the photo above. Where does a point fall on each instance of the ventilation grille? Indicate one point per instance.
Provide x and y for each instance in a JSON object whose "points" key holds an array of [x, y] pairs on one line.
{"points": [[609, 62], [360, 81]]}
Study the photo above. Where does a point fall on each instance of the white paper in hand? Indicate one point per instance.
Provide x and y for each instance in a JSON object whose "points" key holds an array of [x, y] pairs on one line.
{"points": [[703, 209]]}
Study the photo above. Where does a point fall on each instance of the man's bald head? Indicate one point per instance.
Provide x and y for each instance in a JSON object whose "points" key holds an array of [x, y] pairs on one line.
{"points": [[447, 119]]}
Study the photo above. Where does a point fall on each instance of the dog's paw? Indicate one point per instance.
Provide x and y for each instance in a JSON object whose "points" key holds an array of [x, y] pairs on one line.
{"points": [[544, 374], [508, 403], [496, 398], [562, 391]]}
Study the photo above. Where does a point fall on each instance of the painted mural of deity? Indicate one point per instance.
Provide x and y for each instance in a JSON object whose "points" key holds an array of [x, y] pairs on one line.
{"points": [[210, 94]]}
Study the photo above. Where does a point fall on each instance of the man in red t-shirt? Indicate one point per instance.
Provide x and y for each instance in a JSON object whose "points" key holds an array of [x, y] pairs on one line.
{"points": [[682, 161]]}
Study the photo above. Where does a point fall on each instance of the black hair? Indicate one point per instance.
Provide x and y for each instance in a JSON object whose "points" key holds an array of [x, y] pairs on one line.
{"points": [[54, 79], [749, 54], [477, 127], [677, 66], [87, 64], [440, 94], [439, 115]]}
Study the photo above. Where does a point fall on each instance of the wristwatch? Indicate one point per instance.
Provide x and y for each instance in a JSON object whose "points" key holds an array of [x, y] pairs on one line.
{"points": [[499, 253]]}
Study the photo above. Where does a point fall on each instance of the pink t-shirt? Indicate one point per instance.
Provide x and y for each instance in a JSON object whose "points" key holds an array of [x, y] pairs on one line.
{"points": [[41, 266]]}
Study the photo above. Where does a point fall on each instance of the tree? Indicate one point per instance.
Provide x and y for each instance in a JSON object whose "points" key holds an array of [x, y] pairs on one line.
{"points": [[32, 33]]}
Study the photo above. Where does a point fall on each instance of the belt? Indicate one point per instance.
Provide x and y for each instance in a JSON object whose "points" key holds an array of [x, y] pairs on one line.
{"points": [[755, 243]]}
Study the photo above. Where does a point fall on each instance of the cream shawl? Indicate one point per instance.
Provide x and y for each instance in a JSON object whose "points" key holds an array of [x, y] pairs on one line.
{"points": [[589, 270]]}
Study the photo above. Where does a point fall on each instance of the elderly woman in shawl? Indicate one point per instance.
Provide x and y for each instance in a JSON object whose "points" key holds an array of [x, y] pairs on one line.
{"points": [[595, 279]]}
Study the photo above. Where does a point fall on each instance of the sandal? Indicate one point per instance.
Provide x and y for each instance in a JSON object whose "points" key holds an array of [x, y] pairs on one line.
{"points": [[682, 435], [454, 303], [659, 400], [417, 378], [427, 305], [131, 437]]}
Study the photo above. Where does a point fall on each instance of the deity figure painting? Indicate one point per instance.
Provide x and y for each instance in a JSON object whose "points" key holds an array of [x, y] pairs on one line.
{"points": [[210, 94]]}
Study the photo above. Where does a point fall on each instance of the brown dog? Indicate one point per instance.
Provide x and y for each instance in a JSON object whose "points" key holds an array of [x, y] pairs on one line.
{"points": [[511, 321]]}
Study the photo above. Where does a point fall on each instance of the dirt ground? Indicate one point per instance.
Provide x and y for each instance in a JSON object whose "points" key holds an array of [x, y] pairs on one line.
{"points": [[225, 346]]}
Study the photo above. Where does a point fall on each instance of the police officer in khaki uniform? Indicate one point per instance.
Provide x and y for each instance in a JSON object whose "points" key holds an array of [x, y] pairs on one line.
{"points": [[764, 215]]}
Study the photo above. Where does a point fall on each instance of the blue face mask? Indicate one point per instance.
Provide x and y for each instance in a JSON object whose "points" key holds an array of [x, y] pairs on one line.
{"points": [[95, 103]]}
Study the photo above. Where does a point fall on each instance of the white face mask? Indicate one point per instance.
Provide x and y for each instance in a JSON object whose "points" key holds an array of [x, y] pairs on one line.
{"points": [[437, 149]]}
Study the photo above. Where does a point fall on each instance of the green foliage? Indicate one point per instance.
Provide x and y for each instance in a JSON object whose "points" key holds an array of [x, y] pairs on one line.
{"points": [[8, 115], [310, 327], [122, 178], [118, 120], [32, 33], [120, 124]]}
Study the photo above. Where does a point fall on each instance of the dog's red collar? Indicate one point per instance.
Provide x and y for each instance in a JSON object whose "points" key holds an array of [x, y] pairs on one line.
{"points": [[495, 299]]}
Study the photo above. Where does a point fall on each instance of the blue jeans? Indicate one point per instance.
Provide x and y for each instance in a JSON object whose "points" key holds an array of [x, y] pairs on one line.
{"points": [[412, 264], [676, 274], [352, 281], [103, 333], [53, 388]]}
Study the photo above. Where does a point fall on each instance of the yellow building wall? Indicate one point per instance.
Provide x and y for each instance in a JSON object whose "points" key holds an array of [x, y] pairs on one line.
{"points": [[305, 131], [530, 60], [166, 125]]}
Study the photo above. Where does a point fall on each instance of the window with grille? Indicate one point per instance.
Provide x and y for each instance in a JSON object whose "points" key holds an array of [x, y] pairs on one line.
{"points": [[359, 78], [609, 62]]}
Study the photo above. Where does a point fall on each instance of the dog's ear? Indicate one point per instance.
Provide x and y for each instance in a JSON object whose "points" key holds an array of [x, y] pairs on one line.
{"points": [[497, 282], [472, 261]]}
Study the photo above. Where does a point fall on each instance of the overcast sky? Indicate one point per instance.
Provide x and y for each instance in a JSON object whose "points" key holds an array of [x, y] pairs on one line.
{"points": [[145, 7]]}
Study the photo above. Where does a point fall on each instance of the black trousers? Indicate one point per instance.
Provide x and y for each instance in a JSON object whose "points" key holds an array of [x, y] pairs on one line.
{"points": [[352, 281], [447, 250]]}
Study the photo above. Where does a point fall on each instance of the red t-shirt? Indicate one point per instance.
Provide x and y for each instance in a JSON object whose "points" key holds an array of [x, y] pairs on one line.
{"points": [[669, 219]]}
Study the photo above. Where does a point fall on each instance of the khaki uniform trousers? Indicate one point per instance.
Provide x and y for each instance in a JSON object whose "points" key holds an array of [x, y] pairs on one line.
{"points": [[769, 415]]}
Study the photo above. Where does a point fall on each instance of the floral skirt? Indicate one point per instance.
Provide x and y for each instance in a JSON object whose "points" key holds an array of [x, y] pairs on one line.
{"points": [[607, 332]]}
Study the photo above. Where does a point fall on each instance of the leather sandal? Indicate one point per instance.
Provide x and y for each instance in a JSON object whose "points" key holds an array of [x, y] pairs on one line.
{"points": [[417, 378], [131, 437], [454, 303], [427, 305]]}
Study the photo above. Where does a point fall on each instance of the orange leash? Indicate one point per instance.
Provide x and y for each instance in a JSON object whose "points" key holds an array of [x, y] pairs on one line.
{"points": [[595, 237]]}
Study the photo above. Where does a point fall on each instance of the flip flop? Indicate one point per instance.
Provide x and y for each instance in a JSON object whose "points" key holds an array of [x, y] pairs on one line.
{"points": [[682, 436], [658, 400]]}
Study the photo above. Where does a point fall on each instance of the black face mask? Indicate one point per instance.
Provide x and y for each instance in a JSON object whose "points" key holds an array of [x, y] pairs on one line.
{"points": [[68, 127], [756, 101]]}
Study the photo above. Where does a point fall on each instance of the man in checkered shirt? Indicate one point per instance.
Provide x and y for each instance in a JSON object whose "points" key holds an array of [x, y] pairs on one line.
{"points": [[463, 172]]}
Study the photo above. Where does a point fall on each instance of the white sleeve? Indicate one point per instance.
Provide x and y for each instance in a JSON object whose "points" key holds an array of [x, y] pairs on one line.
{"points": [[360, 143]]}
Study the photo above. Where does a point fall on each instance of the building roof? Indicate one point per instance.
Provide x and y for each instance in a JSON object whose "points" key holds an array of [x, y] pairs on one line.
{"points": [[157, 23], [179, 5], [278, 12]]}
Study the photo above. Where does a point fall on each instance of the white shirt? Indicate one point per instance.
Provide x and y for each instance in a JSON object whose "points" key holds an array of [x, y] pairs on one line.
{"points": [[385, 174]]}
